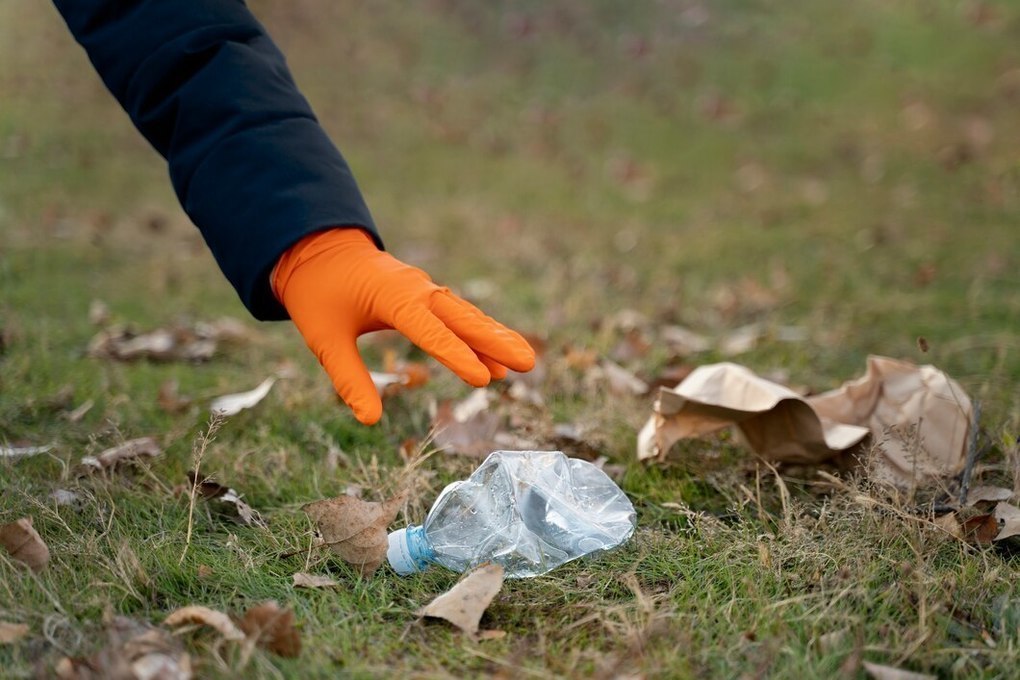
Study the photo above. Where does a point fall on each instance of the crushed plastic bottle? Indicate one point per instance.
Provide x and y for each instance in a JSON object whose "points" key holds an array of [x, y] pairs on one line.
{"points": [[529, 511]]}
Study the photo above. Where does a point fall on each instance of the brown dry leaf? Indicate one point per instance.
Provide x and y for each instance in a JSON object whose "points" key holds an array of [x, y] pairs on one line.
{"points": [[469, 427], [12, 632], [981, 529], [1009, 515], [179, 343], [620, 380], [226, 500], [232, 404], [950, 524], [464, 604], [24, 544], [129, 450], [136, 651], [410, 374], [303, 580], [398, 375], [272, 628], [633, 346], [988, 494], [918, 417], [580, 358], [355, 529], [683, 341], [169, 398], [880, 672], [203, 616]]}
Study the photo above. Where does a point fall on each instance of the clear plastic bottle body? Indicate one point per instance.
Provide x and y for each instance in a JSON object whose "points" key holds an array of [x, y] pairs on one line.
{"points": [[529, 511]]}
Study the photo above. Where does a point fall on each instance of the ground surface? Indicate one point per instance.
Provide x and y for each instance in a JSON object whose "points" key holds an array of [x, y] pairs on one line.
{"points": [[844, 174]]}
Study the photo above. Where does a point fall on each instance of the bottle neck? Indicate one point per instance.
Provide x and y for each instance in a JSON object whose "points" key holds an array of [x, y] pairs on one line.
{"points": [[419, 547]]}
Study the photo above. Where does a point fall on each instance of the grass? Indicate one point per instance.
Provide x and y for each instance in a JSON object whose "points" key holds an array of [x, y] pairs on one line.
{"points": [[849, 169]]}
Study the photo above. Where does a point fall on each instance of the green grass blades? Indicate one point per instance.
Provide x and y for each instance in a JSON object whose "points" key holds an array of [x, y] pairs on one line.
{"points": [[842, 175]]}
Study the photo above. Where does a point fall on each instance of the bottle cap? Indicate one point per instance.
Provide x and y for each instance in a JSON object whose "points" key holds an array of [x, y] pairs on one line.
{"points": [[407, 551]]}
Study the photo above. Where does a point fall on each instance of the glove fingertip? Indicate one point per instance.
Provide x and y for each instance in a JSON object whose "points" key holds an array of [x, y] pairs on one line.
{"points": [[366, 411]]}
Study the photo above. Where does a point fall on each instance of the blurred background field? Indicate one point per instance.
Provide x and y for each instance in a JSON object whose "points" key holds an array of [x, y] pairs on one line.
{"points": [[844, 175]]}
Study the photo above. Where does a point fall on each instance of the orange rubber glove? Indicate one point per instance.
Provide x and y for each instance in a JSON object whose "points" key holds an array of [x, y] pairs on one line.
{"points": [[337, 284]]}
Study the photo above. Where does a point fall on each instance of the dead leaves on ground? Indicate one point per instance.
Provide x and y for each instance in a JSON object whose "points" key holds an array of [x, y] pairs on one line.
{"points": [[180, 342], [303, 580], [232, 404], [12, 632], [355, 529], [272, 628], [226, 500], [881, 672], [464, 604], [24, 544], [134, 651], [204, 616], [129, 451], [986, 517], [267, 625]]}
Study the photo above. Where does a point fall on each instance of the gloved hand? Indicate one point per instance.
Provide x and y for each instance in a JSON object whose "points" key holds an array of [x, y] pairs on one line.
{"points": [[337, 284]]}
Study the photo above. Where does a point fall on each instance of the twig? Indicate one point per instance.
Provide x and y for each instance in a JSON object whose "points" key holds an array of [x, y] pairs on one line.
{"points": [[972, 454], [216, 421]]}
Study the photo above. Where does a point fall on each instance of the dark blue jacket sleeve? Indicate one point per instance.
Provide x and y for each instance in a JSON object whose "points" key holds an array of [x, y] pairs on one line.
{"points": [[204, 83]]}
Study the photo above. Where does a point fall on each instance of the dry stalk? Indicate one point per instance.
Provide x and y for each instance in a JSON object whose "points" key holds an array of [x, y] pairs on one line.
{"points": [[198, 450]]}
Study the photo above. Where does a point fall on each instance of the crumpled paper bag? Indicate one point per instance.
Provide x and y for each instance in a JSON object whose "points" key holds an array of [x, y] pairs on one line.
{"points": [[917, 417]]}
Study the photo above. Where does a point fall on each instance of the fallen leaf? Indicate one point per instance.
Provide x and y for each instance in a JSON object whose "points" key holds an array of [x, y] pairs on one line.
{"points": [[169, 398], [272, 628], [226, 500], [135, 651], [203, 616], [467, 428], [580, 358], [918, 417], [355, 529], [180, 343], [633, 346], [411, 374], [523, 393], [880, 672], [981, 529], [129, 450], [24, 543], [950, 524], [572, 439], [741, 340], [683, 341], [986, 494], [303, 580], [464, 604], [99, 313], [620, 380], [12, 632], [1009, 516], [24, 451], [232, 404], [64, 498]]}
